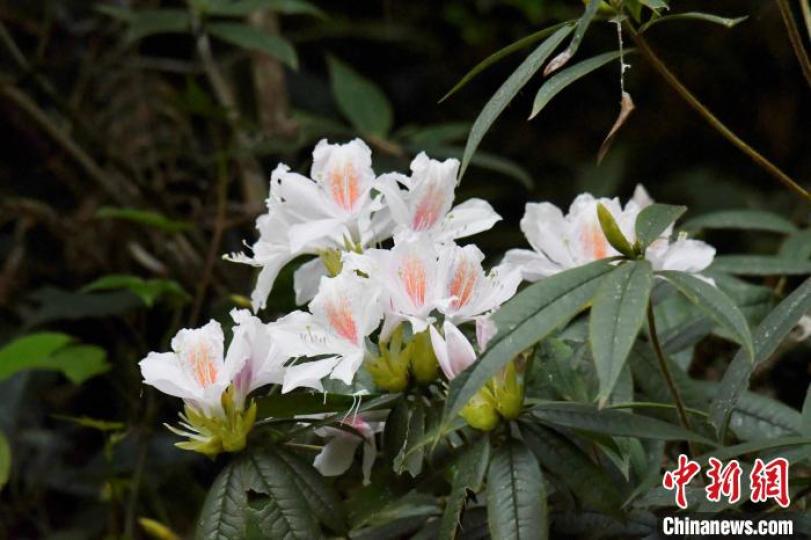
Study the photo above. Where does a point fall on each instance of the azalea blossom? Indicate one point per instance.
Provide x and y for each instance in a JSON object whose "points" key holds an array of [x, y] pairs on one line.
{"points": [[338, 453], [560, 242], [473, 293], [424, 206], [346, 309], [196, 370], [332, 210]]}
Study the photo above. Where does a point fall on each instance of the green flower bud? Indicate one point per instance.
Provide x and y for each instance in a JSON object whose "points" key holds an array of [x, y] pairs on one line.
{"points": [[331, 259], [509, 391], [480, 411], [424, 365], [389, 371]]}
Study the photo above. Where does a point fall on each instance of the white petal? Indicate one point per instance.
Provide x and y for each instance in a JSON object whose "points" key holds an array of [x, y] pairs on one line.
{"points": [[533, 265], [485, 331], [306, 280], [308, 374], [432, 191], [641, 196], [347, 367], [344, 173], [460, 351], [369, 455], [337, 455], [441, 352], [393, 196], [164, 372], [468, 218], [316, 235], [687, 255]]}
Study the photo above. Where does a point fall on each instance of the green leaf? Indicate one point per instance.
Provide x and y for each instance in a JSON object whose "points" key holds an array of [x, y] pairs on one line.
{"points": [[147, 290], [148, 22], [143, 217], [805, 426], [5, 460], [759, 265], [611, 422], [285, 512], [298, 403], [797, 246], [52, 351], [752, 220], [360, 100], [654, 4], [579, 33], [766, 338], [653, 220], [612, 231], [249, 37], [505, 94], [516, 498], [92, 423], [223, 514], [527, 318], [616, 318], [320, 496], [502, 53], [554, 85], [242, 8], [564, 460], [759, 417], [753, 447], [410, 456], [727, 22], [714, 303], [468, 475]]}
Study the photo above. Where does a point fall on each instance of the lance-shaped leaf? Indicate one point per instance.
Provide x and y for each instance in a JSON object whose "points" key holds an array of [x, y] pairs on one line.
{"points": [[582, 25], [554, 85], [468, 475], [805, 422], [223, 514], [526, 319], [612, 231], [360, 100], [611, 422], [653, 220], [759, 265], [285, 512], [522, 43], [714, 303], [751, 220], [589, 482], [727, 22], [616, 317], [507, 92], [767, 337], [243, 8], [248, 37], [516, 498]]}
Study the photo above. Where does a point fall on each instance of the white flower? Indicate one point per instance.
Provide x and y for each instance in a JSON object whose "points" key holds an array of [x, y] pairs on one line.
{"points": [[346, 309], [454, 353], [338, 453], [331, 210], [253, 348], [424, 207], [561, 242], [473, 293], [410, 279], [195, 371]]}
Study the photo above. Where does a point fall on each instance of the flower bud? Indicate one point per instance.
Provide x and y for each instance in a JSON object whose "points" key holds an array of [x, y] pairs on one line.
{"points": [[480, 411], [389, 371], [509, 391], [424, 365]]}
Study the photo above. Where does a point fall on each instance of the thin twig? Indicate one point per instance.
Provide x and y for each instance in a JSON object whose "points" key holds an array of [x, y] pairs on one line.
{"points": [[214, 247], [795, 38], [805, 7], [663, 366], [713, 120]]}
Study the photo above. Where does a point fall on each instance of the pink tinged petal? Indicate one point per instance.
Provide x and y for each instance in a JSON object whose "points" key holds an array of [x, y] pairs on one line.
{"points": [[412, 275], [337, 455], [432, 191], [201, 353], [460, 351], [341, 319], [485, 331], [163, 371], [464, 278], [344, 186], [441, 352], [593, 242], [428, 208]]}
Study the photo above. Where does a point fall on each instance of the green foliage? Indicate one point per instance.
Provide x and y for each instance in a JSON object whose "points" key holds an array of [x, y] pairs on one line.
{"points": [[53, 351], [507, 91], [149, 218], [616, 317], [360, 101], [727, 22], [760, 265], [756, 220], [248, 37], [468, 475], [613, 233], [516, 497], [5, 460], [147, 290], [653, 220]]}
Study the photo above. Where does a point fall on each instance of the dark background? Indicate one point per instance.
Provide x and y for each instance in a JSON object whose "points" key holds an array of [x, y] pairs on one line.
{"points": [[144, 113]]}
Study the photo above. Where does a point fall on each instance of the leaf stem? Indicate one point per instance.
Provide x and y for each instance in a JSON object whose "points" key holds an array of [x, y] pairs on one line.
{"points": [[711, 119], [795, 38], [674, 391]]}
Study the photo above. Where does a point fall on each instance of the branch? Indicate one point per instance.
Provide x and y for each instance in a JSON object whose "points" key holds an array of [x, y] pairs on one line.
{"points": [[796, 39], [711, 119]]}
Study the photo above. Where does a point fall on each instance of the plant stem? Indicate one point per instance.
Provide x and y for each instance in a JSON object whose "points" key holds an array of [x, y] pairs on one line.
{"points": [[711, 119], [795, 38], [674, 391], [806, 9]]}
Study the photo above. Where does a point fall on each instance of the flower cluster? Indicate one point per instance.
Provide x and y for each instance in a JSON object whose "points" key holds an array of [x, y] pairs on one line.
{"points": [[388, 290]]}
